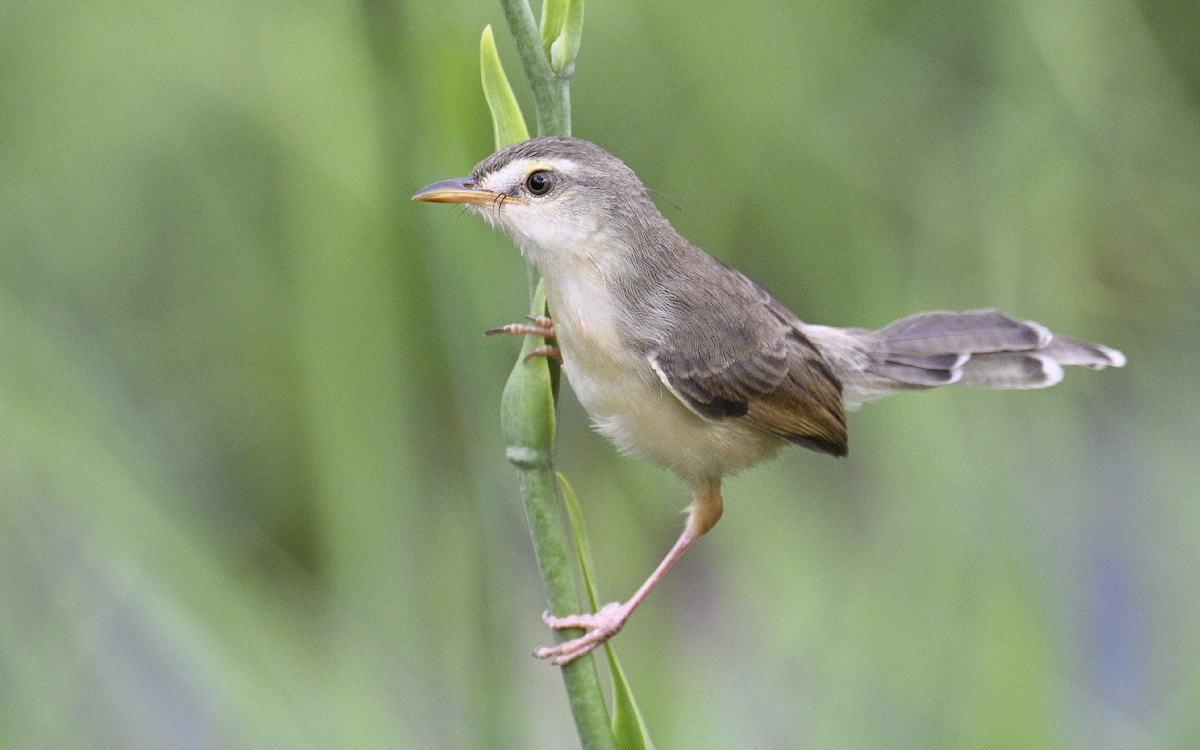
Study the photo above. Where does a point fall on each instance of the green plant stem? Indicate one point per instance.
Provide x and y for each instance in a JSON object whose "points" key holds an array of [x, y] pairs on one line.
{"points": [[551, 93], [527, 420]]}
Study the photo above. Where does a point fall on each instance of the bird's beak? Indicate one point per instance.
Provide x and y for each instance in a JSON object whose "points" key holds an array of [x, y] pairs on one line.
{"points": [[461, 190]]}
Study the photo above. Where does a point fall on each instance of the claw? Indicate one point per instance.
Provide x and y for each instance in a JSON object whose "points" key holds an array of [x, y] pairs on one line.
{"points": [[545, 351], [601, 626], [543, 326]]}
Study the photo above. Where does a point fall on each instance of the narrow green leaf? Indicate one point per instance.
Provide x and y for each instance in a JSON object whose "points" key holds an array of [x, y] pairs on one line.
{"points": [[629, 729], [554, 15], [563, 38], [508, 125], [582, 548], [572, 36]]}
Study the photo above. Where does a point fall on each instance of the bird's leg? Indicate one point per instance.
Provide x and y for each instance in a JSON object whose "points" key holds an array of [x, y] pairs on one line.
{"points": [[543, 327], [703, 512], [610, 619]]}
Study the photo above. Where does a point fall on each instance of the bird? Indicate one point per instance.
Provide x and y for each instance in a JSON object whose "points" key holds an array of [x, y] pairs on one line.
{"points": [[683, 361]]}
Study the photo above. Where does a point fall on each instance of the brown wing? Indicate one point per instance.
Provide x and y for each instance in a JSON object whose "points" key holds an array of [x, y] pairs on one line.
{"points": [[806, 407], [744, 356]]}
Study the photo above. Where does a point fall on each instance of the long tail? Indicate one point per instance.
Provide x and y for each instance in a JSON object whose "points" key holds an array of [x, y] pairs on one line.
{"points": [[982, 348]]}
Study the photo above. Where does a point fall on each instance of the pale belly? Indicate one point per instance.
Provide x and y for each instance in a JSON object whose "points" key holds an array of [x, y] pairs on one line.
{"points": [[632, 407], [627, 401]]}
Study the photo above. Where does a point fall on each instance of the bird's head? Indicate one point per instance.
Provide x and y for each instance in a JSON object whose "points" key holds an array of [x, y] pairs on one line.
{"points": [[557, 198]]}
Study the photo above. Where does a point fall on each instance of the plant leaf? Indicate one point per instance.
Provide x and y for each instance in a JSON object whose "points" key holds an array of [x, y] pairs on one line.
{"points": [[554, 14], [508, 125], [629, 729], [572, 36], [582, 548], [562, 31]]}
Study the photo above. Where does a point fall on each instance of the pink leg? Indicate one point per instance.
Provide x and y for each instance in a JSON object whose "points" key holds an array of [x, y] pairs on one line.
{"points": [[703, 513], [612, 616]]}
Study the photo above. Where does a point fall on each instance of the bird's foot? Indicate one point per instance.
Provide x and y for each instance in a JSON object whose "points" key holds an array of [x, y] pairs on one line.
{"points": [[542, 326], [600, 626], [545, 350]]}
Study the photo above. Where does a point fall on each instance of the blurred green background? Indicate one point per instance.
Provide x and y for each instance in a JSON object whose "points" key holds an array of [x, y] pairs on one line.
{"points": [[252, 490]]}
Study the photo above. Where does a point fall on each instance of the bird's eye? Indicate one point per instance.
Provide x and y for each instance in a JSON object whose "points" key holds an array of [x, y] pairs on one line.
{"points": [[539, 182]]}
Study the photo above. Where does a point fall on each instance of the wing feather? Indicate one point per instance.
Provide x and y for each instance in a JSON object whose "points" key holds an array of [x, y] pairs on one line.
{"points": [[746, 357]]}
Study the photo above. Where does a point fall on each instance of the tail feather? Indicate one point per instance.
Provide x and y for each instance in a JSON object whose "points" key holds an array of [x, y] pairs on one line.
{"points": [[1012, 370], [929, 361], [982, 348], [917, 375], [1069, 351], [976, 331]]}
